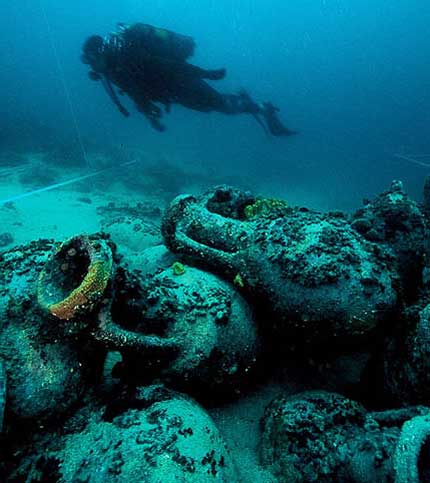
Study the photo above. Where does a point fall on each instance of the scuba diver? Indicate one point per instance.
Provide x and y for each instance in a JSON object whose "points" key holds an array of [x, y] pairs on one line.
{"points": [[150, 65]]}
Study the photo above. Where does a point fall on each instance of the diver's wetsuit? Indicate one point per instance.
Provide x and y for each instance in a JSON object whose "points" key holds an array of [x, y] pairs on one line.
{"points": [[150, 66]]}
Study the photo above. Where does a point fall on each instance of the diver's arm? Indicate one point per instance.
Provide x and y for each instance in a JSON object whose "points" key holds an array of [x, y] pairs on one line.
{"points": [[114, 98]]}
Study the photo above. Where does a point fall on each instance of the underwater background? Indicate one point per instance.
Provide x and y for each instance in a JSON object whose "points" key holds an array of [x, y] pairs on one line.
{"points": [[351, 76]]}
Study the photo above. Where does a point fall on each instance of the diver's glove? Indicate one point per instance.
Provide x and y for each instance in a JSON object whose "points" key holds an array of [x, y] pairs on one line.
{"points": [[154, 115], [156, 124]]}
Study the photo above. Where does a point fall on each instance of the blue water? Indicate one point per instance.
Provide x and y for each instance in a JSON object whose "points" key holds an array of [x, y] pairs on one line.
{"points": [[351, 76]]}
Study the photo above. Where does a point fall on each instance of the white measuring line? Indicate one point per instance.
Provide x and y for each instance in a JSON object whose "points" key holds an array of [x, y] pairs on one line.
{"points": [[418, 155], [411, 159], [62, 183]]}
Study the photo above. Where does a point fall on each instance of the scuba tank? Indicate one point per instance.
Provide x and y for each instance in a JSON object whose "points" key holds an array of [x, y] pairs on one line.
{"points": [[157, 41]]}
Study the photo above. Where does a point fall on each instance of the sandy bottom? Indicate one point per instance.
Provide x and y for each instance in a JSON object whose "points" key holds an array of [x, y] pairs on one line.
{"points": [[59, 213], [239, 423]]}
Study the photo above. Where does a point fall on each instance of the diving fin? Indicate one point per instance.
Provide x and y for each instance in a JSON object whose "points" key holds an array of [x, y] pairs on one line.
{"points": [[274, 124]]}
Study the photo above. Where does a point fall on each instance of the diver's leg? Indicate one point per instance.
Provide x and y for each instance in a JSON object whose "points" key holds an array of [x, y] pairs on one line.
{"points": [[268, 112], [241, 103], [193, 71], [198, 95], [215, 74]]}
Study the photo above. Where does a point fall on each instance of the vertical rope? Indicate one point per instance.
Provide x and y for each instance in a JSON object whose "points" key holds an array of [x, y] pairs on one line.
{"points": [[64, 84]]}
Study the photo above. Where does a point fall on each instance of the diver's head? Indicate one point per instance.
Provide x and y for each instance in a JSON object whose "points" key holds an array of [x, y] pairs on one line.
{"points": [[91, 52]]}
